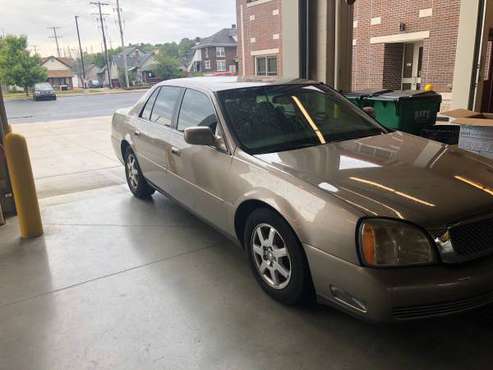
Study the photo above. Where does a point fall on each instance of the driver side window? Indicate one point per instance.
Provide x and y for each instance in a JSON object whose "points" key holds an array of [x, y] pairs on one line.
{"points": [[196, 110]]}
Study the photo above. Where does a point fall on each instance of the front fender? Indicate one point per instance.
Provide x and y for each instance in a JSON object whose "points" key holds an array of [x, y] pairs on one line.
{"points": [[318, 219], [276, 202]]}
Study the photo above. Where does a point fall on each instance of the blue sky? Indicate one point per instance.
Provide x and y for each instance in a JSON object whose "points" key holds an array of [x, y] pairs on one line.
{"points": [[154, 21]]}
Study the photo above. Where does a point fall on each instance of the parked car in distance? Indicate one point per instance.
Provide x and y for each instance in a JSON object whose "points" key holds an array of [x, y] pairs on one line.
{"points": [[95, 84], [43, 91], [385, 226]]}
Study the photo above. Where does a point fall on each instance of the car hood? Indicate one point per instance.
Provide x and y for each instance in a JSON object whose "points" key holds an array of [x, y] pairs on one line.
{"points": [[397, 175]]}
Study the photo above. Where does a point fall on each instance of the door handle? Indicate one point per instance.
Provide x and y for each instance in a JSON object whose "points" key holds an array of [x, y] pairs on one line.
{"points": [[137, 133], [175, 151]]}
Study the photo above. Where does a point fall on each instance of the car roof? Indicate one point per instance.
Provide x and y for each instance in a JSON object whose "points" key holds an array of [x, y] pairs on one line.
{"points": [[215, 84]]}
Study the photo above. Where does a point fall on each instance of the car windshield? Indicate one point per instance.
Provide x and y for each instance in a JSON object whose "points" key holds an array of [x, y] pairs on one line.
{"points": [[271, 119], [43, 86]]}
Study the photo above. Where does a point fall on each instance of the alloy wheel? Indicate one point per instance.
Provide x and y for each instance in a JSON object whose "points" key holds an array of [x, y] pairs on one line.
{"points": [[271, 256], [132, 171]]}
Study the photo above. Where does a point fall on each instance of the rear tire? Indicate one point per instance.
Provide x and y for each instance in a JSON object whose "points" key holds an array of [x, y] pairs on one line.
{"points": [[135, 179], [277, 258]]}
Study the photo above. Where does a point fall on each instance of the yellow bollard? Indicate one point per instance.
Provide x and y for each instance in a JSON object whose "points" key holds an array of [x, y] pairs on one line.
{"points": [[21, 177]]}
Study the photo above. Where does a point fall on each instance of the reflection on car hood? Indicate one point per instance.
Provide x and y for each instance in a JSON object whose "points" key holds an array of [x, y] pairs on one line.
{"points": [[397, 175]]}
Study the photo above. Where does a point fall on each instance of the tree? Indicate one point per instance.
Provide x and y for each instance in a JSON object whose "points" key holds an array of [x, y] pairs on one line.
{"points": [[167, 67], [17, 66], [170, 49], [185, 46]]}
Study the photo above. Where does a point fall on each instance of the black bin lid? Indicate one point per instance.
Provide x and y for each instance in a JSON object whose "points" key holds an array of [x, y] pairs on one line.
{"points": [[399, 95], [366, 93]]}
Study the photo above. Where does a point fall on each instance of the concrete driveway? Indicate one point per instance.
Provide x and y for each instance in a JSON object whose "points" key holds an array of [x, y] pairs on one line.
{"points": [[72, 155], [119, 283]]}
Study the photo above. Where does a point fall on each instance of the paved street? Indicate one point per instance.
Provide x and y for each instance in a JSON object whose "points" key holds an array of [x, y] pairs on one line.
{"points": [[69, 107]]}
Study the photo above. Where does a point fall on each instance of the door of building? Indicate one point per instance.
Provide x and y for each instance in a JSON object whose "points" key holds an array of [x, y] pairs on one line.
{"points": [[412, 66]]}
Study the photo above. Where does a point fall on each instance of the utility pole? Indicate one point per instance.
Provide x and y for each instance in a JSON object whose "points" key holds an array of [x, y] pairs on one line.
{"points": [[99, 4], [125, 62], [81, 52], [56, 37]]}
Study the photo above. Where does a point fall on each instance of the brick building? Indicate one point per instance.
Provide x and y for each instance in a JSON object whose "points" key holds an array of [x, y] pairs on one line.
{"points": [[403, 44], [397, 44], [259, 38], [216, 54]]}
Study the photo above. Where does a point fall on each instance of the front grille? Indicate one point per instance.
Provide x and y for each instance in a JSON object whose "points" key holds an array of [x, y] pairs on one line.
{"points": [[441, 309], [472, 239]]}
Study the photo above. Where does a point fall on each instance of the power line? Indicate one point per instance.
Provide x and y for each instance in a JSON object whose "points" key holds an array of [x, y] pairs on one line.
{"points": [[100, 4], [124, 54], [56, 37], [81, 52]]}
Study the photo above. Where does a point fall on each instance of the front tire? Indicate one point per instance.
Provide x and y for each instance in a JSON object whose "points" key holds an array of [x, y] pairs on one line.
{"points": [[277, 258], [135, 179]]}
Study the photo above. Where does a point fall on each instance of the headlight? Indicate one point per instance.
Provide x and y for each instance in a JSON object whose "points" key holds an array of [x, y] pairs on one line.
{"points": [[392, 243]]}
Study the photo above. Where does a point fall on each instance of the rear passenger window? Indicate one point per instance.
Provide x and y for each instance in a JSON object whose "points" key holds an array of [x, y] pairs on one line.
{"points": [[196, 110], [165, 105], [146, 113]]}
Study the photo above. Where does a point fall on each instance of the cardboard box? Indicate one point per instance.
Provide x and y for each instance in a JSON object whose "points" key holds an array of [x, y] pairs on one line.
{"points": [[476, 132]]}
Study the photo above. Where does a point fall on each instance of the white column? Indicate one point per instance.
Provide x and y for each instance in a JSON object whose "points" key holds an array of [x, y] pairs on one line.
{"points": [[290, 39], [464, 59]]}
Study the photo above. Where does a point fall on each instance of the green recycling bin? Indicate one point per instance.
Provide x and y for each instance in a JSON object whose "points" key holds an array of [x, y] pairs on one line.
{"points": [[410, 111], [359, 98]]}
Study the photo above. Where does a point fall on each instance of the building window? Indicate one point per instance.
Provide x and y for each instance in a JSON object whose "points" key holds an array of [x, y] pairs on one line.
{"points": [[221, 65], [207, 64], [206, 53], [220, 52], [266, 66]]}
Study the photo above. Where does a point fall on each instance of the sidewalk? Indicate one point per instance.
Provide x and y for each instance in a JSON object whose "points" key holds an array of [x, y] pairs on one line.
{"points": [[72, 156]]}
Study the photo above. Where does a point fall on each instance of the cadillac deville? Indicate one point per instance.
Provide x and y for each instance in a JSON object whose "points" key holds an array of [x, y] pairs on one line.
{"points": [[325, 201]]}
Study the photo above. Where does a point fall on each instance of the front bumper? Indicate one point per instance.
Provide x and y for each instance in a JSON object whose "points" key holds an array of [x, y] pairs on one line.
{"points": [[402, 294], [45, 97]]}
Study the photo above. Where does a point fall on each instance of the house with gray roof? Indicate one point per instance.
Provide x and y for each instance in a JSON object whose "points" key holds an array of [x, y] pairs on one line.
{"points": [[216, 54], [140, 65]]}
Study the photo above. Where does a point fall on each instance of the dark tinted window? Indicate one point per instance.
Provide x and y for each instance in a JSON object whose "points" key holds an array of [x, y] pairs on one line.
{"points": [[279, 118], [196, 110], [165, 105], [146, 113]]}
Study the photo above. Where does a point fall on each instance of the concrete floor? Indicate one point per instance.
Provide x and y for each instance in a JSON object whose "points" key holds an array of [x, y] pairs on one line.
{"points": [[118, 283]]}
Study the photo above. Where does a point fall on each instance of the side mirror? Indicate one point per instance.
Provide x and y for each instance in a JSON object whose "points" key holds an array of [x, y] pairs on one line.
{"points": [[200, 136], [370, 111]]}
